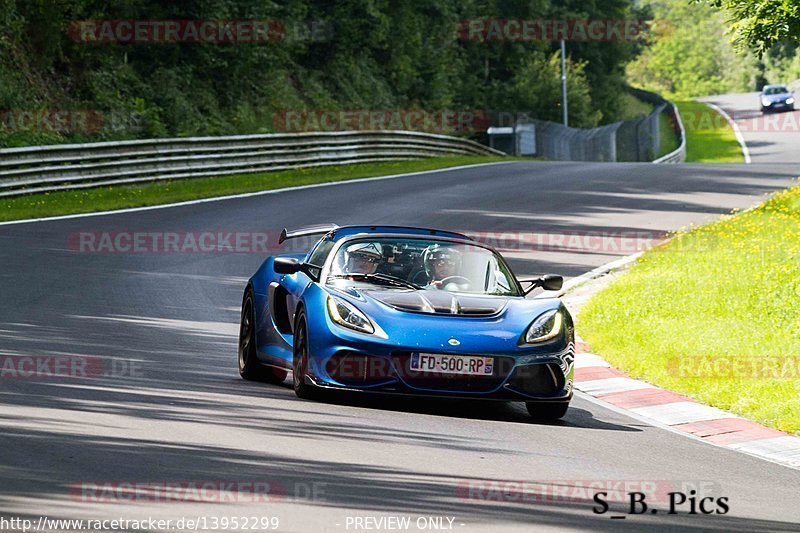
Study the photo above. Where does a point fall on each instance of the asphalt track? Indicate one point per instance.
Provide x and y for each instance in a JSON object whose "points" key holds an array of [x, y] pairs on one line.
{"points": [[186, 416], [771, 138]]}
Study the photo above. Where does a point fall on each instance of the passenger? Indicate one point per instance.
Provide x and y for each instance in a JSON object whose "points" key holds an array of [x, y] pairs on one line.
{"points": [[363, 258]]}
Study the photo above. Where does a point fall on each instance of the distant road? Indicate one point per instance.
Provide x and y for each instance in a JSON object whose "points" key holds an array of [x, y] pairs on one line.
{"points": [[774, 138]]}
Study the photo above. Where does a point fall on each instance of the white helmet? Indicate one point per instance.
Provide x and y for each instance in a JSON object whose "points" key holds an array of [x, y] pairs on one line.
{"points": [[366, 251]]}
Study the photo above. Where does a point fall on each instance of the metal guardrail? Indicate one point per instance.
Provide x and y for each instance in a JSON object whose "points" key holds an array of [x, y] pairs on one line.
{"points": [[76, 166], [679, 155]]}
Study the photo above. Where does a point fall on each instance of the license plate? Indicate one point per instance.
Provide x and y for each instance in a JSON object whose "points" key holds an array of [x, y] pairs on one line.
{"points": [[468, 365]]}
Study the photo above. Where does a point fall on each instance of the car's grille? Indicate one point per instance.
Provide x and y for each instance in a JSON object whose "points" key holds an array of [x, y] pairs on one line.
{"points": [[452, 382]]}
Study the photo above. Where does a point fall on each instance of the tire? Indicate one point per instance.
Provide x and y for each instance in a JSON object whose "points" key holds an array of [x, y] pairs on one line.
{"points": [[249, 366], [547, 410], [300, 360]]}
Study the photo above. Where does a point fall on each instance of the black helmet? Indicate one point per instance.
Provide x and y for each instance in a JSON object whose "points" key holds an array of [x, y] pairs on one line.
{"points": [[436, 253]]}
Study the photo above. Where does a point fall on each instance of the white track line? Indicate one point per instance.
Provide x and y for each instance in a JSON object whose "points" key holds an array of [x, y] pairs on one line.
{"points": [[772, 456], [602, 270], [603, 386], [736, 131], [250, 194], [676, 413], [781, 449]]}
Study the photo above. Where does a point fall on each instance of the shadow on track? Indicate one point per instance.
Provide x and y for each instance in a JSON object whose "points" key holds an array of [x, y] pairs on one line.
{"points": [[344, 485]]}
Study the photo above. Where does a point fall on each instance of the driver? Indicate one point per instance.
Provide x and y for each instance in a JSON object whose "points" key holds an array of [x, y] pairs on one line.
{"points": [[443, 264], [363, 258]]}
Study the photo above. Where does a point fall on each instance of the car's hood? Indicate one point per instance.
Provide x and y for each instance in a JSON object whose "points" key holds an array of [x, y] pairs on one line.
{"points": [[433, 301], [428, 320], [772, 98]]}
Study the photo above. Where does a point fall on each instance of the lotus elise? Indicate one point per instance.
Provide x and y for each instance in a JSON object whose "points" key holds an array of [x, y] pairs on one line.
{"points": [[406, 311]]}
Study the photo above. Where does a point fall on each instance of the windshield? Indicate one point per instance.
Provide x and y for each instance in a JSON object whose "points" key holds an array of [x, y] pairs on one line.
{"points": [[775, 90], [407, 263]]}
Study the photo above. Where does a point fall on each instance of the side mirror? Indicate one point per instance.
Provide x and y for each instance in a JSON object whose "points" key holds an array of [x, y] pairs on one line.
{"points": [[550, 282], [287, 265]]}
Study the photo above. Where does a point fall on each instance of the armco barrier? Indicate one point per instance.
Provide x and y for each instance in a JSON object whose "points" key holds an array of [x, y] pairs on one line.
{"points": [[74, 166], [679, 155]]}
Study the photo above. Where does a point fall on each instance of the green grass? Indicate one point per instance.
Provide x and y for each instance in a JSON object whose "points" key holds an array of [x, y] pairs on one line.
{"points": [[709, 137], [666, 135], [723, 294], [164, 192], [633, 108]]}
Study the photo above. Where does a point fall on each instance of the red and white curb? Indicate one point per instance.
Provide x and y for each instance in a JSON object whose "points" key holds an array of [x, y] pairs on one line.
{"points": [[597, 380], [595, 377]]}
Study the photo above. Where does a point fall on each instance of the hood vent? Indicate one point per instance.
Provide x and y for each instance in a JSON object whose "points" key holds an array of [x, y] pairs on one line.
{"points": [[438, 302]]}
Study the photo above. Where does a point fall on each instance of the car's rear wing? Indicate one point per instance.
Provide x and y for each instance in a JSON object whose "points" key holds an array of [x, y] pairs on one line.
{"points": [[308, 230]]}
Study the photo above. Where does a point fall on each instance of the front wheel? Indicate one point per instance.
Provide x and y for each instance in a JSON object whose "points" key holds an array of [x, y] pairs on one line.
{"points": [[300, 360], [547, 410], [249, 366]]}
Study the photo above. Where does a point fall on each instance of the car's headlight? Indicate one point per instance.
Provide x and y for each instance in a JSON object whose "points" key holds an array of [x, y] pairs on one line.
{"points": [[346, 314], [790, 101], [544, 328]]}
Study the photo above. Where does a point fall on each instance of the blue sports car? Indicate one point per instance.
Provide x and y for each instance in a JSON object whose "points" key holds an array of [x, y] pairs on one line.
{"points": [[400, 310]]}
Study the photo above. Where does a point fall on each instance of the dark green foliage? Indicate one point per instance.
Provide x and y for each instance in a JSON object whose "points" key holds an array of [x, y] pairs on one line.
{"points": [[761, 24], [690, 55], [365, 54]]}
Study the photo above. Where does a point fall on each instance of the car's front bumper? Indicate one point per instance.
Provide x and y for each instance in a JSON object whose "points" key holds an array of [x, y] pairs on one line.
{"points": [[540, 375], [341, 358], [778, 106], [399, 390]]}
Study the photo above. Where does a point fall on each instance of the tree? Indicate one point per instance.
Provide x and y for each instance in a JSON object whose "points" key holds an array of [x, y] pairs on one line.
{"points": [[537, 86], [690, 55], [760, 24], [368, 55]]}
